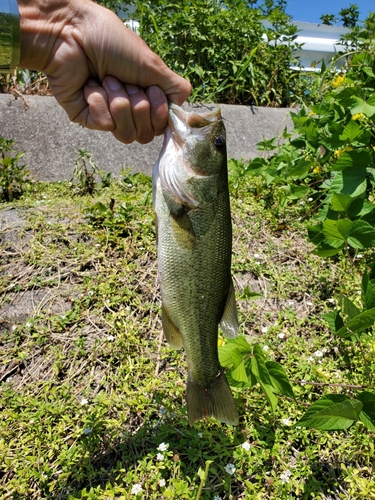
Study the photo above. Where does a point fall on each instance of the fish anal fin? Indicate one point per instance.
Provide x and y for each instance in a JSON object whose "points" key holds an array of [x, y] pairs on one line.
{"points": [[215, 400], [171, 332], [229, 320]]}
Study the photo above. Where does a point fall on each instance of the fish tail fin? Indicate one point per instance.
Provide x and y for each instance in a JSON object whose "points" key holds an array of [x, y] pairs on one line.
{"points": [[215, 400]]}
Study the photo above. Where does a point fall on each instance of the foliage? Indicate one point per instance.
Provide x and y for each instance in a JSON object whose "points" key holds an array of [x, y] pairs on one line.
{"points": [[92, 400], [85, 173], [219, 47], [14, 178], [348, 17]]}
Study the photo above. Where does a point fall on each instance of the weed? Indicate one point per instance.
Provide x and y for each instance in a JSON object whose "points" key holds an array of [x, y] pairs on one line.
{"points": [[14, 178]]}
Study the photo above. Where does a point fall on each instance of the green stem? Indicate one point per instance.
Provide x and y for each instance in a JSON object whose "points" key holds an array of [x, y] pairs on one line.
{"points": [[203, 479]]}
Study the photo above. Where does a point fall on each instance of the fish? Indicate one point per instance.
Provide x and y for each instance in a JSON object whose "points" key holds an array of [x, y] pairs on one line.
{"points": [[194, 248]]}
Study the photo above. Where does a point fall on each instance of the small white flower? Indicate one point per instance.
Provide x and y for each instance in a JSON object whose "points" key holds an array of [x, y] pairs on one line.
{"points": [[31, 422], [266, 348], [87, 430], [285, 476], [324, 349], [310, 359], [331, 300], [230, 469], [162, 483], [160, 457], [310, 199], [137, 488], [84, 401], [28, 325], [91, 292], [246, 445], [281, 335], [97, 244], [163, 446], [286, 421], [303, 382], [14, 327], [256, 255], [318, 354], [217, 497], [111, 338], [265, 329], [162, 411], [359, 256], [200, 435]]}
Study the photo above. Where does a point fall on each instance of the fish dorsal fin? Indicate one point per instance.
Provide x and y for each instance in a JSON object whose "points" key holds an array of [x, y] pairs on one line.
{"points": [[229, 320], [171, 333]]}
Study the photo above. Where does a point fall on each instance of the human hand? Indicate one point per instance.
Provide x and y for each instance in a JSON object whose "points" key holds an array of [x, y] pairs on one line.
{"points": [[102, 74]]}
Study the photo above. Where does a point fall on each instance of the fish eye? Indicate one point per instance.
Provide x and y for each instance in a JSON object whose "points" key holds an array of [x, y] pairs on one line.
{"points": [[219, 141]]}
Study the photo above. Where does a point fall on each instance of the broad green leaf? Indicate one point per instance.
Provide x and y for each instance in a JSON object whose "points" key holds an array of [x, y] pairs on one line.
{"points": [[258, 366], [269, 393], [349, 181], [358, 159], [239, 373], [337, 231], [360, 207], [367, 414], [358, 324], [331, 412], [340, 202], [362, 235], [334, 320], [279, 379], [361, 105], [351, 131], [349, 309]]}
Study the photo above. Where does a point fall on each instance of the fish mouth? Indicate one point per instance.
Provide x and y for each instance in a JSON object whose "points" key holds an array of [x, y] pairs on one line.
{"points": [[189, 123]]}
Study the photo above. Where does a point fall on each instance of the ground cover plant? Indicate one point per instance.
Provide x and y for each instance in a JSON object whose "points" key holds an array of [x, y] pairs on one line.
{"points": [[92, 398]]}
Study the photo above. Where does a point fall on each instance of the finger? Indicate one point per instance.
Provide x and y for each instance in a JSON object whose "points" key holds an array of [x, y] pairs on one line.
{"points": [[121, 111], [140, 107], [97, 116], [159, 109]]}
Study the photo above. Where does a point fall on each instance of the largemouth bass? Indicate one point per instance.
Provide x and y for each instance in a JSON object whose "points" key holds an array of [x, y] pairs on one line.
{"points": [[194, 245]]}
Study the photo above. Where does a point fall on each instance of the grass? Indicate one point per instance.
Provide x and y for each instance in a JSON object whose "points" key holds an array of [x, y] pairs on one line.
{"points": [[92, 398]]}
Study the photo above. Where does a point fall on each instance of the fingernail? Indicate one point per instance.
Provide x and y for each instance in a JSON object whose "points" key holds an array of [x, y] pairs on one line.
{"points": [[112, 83], [155, 94], [131, 89]]}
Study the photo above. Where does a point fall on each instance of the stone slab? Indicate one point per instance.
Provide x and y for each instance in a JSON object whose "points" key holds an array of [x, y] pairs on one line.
{"points": [[43, 130]]}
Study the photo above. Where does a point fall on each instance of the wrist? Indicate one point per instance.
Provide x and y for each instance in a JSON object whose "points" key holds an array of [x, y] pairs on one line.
{"points": [[10, 41]]}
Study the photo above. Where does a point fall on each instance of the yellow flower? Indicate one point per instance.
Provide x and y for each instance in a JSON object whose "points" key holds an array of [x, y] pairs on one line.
{"points": [[358, 116], [348, 148], [338, 153], [339, 81], [373, 147], [219, 342], [316, 170]]}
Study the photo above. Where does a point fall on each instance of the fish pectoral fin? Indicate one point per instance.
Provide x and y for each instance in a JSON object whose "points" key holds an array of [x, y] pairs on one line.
{"points": [[229, 320], [214, 400], [171, 333]]}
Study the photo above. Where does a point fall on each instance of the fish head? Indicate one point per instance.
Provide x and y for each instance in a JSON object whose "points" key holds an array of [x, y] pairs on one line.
{"points": [[193, 160]]}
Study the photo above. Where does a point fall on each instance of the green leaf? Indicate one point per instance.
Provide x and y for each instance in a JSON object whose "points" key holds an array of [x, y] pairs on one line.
{"points": [[239, 373], [337, 231], [340, 202], [258, 365], [361, 105], [367, 414], [279, 379], [358, 324], [348, 308], [350, 181], [351, 131], [362, 235], [331, 412], [368, 292], [358, 158], [334, 320]]}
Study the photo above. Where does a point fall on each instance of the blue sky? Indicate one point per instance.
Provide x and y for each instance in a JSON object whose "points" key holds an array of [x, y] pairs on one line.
{"points": [[311, 10]]}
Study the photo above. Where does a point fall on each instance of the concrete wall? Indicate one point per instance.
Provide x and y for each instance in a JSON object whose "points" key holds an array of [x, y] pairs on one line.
{"points": [[50, 140]]}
